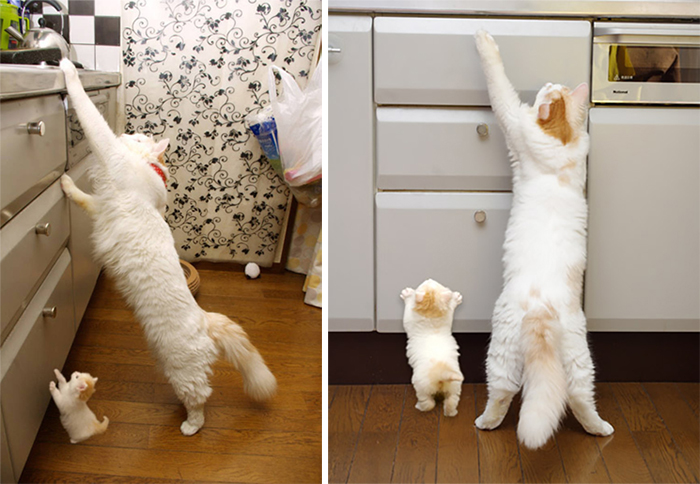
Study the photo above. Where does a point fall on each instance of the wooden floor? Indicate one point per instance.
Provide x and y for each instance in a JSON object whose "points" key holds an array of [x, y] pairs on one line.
{"points": [[376, 435], [241, 441]]}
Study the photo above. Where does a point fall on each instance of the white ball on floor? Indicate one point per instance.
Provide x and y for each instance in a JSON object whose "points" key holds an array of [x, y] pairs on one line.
{"points": [[252, 271]]}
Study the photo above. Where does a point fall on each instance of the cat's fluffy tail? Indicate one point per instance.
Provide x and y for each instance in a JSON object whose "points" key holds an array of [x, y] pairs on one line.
{"points": [[259, 383], [544, 380]]}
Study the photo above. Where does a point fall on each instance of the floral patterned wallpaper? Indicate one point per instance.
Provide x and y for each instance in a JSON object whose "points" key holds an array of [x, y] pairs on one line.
{"points": [[192, 70]]}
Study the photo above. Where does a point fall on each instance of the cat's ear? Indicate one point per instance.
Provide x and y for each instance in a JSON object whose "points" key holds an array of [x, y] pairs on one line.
{"points": [[160, 147], [580, 94], [543, 112], [419, 296]]}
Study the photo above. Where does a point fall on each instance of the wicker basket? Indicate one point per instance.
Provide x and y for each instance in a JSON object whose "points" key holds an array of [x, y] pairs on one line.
{"points": [[191, 275]]}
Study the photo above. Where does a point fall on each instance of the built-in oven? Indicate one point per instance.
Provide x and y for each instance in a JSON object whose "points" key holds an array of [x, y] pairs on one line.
{"points": [[646, 63]]}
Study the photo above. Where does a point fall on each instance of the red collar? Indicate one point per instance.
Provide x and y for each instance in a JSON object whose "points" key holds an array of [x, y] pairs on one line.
{"points": [[160, 173]]}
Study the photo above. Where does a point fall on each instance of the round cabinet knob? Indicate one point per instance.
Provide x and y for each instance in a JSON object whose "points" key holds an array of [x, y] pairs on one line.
{"points": [[36, 128], [49, 312], [482, 129], [480, 216], [43, 229], [334, 49]]}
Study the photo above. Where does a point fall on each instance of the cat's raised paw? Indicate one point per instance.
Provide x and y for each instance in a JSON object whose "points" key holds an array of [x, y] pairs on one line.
{"points": [[68, 67], [188, 429], [67, 186], [406, 293], [484, 40], [457, 298], [52, 386]]}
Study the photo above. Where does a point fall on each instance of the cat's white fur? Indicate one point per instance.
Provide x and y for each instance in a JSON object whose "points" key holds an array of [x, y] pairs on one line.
{"points": [[539, 328], [135, 244], [71, 399], [432, 351]]}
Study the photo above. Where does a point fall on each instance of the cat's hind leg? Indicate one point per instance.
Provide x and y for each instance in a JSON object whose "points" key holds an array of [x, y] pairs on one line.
{"points": [[452, 399], [503, 368], [193, 390], [82, 199], [579, 368], [426, 401]]}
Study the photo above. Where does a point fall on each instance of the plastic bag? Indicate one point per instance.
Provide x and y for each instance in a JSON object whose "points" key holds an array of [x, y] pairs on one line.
{"points": [[264, 127], [299, 118]]}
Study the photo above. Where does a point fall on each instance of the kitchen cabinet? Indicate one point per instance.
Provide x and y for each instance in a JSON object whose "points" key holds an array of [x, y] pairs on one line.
{"points": [[7, 474], [643, 271], [434, 61], [351, 173], [454, 238]]}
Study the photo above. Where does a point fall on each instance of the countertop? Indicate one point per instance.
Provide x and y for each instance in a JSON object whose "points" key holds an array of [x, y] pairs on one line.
{"points": [[17, 81], [618, 9]]}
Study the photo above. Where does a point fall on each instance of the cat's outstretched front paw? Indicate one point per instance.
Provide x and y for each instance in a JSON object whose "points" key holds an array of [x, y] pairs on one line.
{"points": [[68, 186], [68, 68], [485, 40], [406, 293], [52, 386], [457, 298]]}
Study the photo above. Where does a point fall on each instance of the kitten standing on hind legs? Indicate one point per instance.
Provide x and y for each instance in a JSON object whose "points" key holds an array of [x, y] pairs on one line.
{"points": [[538, 339], [135, 245], [71, 399], [432, 351]]}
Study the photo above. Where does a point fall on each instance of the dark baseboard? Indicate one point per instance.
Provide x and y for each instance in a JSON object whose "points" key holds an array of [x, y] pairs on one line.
{"points": [[375, 358]]}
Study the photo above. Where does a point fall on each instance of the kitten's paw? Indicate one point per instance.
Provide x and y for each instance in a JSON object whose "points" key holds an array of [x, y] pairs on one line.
{"points": [[485, 43], [457, 298], [188, 429], [406, 293], [450, 412], [425, 405], [52, 386]]}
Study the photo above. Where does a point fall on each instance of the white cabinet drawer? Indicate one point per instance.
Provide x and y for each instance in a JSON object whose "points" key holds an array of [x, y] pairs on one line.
{"points": [[26, 254], [351, 164], [643, 271], [29, 162], [433, 61], [35, 347], [440, 149], [435, 235]]}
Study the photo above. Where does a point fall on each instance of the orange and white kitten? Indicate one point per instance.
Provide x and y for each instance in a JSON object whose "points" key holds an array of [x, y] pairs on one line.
{"points": [[432, 351], [71, 399]]}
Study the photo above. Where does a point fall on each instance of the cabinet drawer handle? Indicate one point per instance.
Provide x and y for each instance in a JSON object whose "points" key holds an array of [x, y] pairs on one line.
{"points": [[43, 229], [480, 216], [334, 50], [36, 128], [49, 312], [482, 129]]}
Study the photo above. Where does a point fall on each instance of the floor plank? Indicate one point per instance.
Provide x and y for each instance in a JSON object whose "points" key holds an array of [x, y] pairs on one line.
{"points": [[691, 393], [458, 453], [663, 458], [416, 453], [679, 419], [241, 441], [543, 464], [376, 446], [344, 423], [499, 453], [580, 454]]}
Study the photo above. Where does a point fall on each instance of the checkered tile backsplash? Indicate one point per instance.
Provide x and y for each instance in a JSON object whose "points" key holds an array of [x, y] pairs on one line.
{"points": [[93, 28]]}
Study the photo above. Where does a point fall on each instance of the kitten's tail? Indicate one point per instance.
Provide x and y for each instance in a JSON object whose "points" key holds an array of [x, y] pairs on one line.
{"points": [[544, 380], [259, 383], [101, 427], [441, 373]]}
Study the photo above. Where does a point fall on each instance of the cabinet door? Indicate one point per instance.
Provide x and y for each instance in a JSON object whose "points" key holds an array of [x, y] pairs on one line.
{"points": [[36, 346], [434, 60], [643, 269], [350, 172], [85, 270], [441, 149], [436, 235]]}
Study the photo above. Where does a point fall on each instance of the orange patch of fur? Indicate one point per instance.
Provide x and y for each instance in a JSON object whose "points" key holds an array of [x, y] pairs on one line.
{"points": [[438, 371], [564, 180], [556, 124], [430, 305], [161, 159], [87, 393], [575, 283], [538, 324]]}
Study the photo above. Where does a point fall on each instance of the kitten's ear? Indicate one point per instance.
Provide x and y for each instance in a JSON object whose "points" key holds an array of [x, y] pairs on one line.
{"points": [[419, 296], [543, 112], [160, 147], [580, 94]]}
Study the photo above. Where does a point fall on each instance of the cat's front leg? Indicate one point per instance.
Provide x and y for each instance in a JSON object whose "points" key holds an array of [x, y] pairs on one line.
{"points": [[61, 379], [407, 293], [55, 393], [82, 199]]}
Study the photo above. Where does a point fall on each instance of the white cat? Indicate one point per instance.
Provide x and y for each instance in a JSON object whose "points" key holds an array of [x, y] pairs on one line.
{"points": [[539, 329], [432, 351], [135, 244], [71, 399]]}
